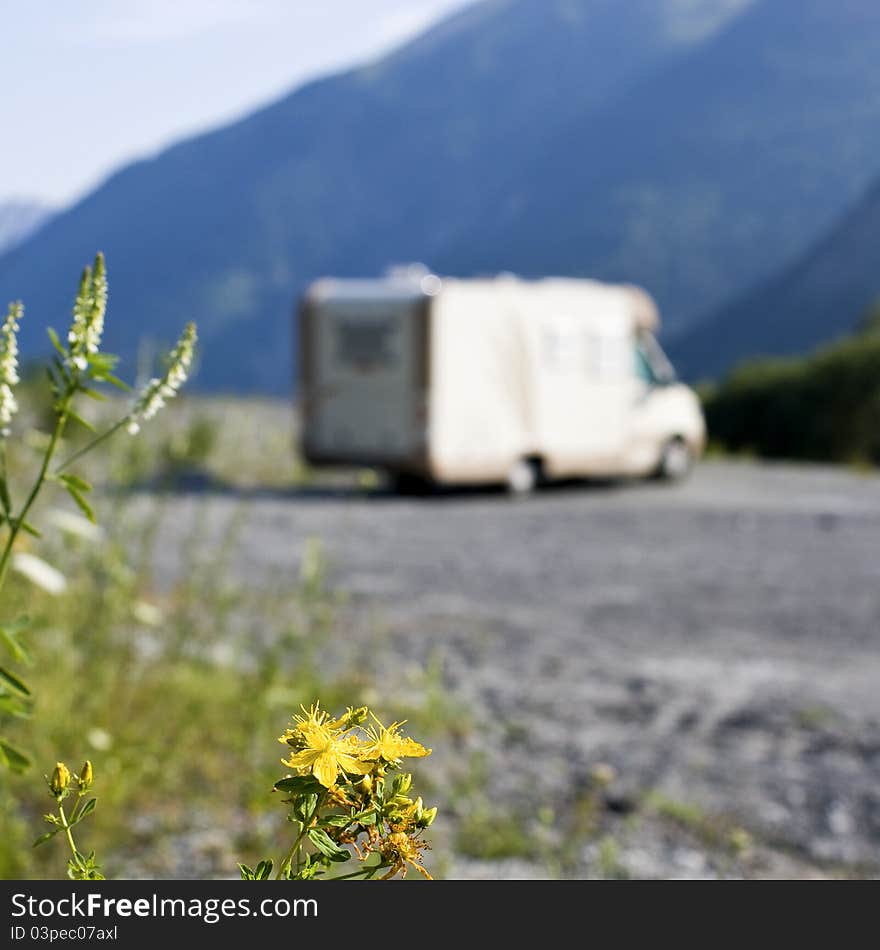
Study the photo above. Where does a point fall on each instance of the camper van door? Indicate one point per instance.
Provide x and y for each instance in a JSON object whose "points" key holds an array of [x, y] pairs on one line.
{"points": [[587, 388], [365, 378]]}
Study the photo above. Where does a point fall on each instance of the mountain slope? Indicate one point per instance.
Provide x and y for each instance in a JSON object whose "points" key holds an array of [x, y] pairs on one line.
{"points": [[821, 297], [18, 220], [707, 175], [370, 167]]}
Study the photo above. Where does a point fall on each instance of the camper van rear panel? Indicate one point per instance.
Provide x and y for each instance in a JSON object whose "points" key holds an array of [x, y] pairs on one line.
{"points": [[364, 368]]}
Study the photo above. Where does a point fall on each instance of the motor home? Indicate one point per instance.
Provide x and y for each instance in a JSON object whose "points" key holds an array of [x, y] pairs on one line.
{"points": [[503, 380]]}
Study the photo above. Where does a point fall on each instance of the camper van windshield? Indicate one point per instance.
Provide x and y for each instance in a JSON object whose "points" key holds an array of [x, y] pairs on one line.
{"points": [[652, 364]]}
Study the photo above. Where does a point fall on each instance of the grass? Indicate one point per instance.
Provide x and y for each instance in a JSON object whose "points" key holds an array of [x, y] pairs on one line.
{"points": [[494, 835], [714, 832], [175, 689], [179, 713], [174, 676], [610, 866]]}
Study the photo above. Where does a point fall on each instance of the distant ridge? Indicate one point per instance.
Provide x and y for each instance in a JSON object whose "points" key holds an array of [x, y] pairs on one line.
{"points": [[19, 219], [821, 297], [685, 147]]}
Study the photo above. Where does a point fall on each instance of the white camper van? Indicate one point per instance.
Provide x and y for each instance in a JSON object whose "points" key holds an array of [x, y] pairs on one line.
{"points": [[502, 380]]}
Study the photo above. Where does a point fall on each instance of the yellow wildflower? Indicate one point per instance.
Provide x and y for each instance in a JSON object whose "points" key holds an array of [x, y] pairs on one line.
{"points": [[404, 813], [60, 779], [400, 849], [322, 749], [298, 736], [351, 717], [389, 745]]}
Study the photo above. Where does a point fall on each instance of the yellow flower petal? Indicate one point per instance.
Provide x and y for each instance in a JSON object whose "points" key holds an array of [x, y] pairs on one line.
{"points": [[389, 745], [352, 765], [326, 768], [301, 760]]}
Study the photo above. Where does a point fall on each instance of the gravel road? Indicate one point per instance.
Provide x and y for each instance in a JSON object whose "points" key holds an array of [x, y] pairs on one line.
{"points": [[717, 643]]}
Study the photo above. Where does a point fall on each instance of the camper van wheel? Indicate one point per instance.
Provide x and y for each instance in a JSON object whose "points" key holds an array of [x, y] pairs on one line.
{"points": [[524, 477], [405, 483], [676, 461]]}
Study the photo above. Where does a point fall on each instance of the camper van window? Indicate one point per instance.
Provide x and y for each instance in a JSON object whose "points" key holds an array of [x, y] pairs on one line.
{"points": [[564, 346], [643, 367], [652, 364], [364, 343]]}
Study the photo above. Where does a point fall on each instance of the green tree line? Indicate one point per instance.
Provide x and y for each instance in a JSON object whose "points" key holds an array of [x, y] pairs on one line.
{"points": [[824, 406]]}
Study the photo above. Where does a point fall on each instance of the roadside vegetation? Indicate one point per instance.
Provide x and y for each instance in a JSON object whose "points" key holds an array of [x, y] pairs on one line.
{"points": [[163, 680], [171, 693], [823, 407]]}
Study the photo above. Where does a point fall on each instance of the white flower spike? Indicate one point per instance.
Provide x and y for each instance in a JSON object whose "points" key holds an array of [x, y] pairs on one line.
{"points": [[89, 309], [9, 366], [157, 391]]}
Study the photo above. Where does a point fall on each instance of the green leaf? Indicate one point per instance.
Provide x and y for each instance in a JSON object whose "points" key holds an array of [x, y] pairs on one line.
{"points": [[54, 385], [102, 362], [322, 841], [71, 414], [115, 381], [13, 758], [11, 704], [264, 869], [62, 370], [247, 873], [9, 635], [93, 394], [80, 813], [74, 481], [13, 681], [336, 821], [19, 625], [82, 504], [299, 785], [53, 336], [29, 528], [304, 807], [46, 837]]}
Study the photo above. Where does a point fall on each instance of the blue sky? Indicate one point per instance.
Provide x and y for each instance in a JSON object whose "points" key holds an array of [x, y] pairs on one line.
{"points": [[90, 84]]}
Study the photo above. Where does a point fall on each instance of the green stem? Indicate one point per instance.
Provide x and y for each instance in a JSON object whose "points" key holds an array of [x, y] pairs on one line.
{"points": [[4, 477], [16, 523], [91, 445], [358, 873], [289, 856], [67, 831], [303, 832]]}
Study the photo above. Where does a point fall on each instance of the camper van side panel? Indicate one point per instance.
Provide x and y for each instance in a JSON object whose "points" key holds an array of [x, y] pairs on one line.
{"points": [[584, 352], [479, 393], [305, 381]]}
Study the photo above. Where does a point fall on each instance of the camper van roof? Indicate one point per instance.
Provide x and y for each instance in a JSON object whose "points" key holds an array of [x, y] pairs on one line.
{"points": [[645, 310], [367, 288], [412, 285]]}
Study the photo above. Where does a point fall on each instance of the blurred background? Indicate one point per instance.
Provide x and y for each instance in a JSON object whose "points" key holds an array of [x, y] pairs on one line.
{"points": [[618, 680]]}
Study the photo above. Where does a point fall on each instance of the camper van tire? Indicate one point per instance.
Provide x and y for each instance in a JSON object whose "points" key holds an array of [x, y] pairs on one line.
{"points": [[523, 477], [406, 483], [676, 461]]}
